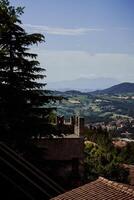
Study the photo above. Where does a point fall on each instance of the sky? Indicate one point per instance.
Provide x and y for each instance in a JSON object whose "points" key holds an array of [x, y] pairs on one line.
{"points": [[83, 38]]}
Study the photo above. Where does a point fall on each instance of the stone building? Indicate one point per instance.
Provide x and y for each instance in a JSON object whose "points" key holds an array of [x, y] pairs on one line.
{"points": [[63, 156], [76, 124]]}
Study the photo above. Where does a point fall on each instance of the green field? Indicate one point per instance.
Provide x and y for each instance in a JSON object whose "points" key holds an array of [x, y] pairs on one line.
{"points": [[96, 108]]}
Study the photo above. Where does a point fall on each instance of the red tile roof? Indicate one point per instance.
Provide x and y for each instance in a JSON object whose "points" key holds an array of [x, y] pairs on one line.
{"points": [[101, 189]]}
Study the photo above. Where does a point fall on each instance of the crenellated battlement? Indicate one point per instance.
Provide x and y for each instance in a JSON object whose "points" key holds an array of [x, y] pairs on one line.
{"points": [[76, 122]]}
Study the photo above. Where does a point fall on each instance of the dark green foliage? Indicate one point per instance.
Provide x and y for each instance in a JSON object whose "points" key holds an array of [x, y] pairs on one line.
{"points": [[102, 159], [22, 98], [127, 153], [100, 137]]}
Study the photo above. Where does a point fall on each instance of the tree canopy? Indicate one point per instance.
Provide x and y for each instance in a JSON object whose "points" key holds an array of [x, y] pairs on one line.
{"points": [[103, 159], [23, 100]]}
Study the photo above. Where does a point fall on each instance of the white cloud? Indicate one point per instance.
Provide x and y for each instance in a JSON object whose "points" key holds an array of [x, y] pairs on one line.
{"points": [[60, 30]]}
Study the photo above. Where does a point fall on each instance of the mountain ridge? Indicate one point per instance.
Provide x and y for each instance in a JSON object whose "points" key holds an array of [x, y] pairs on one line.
{"points": [[125, 87], [122, 88]]}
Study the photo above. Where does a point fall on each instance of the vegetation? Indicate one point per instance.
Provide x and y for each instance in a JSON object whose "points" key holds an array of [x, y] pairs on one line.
{"points": [[102, 159], [97, 108], [23, 100]]}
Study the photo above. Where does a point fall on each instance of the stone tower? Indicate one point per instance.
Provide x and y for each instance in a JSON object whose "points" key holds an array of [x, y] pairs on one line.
{"points": [[78, 125]]}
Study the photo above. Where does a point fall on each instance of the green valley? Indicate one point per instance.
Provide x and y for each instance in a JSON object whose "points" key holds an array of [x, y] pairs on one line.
{"points": [[96, 107]]}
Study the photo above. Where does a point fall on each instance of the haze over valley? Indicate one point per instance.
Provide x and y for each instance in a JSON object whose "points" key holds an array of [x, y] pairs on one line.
{"points": [[83, 84]]}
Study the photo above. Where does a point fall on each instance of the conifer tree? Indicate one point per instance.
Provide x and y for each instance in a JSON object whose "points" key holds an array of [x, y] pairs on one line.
{"points": [[22, 96]]}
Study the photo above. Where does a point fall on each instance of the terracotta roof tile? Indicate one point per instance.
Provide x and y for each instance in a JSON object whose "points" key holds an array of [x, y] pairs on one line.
{"points": [[101, 189]]}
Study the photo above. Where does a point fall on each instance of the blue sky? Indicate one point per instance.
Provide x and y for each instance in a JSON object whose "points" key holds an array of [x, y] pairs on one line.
{"points": [[84, 38]]}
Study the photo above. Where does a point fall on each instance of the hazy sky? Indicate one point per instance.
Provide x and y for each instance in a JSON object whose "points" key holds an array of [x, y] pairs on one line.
{"points": [[84, 38]]}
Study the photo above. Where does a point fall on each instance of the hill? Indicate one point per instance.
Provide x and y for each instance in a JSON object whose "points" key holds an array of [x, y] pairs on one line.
{"points": [[122, 88], [107, 105]]}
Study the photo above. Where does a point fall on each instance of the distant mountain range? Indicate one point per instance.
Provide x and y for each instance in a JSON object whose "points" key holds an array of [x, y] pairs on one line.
{"points": [[121, 88], [83, 84]]}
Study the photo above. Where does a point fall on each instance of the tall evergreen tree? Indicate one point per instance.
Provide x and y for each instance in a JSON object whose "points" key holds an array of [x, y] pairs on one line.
{"points": [[22, 98]]}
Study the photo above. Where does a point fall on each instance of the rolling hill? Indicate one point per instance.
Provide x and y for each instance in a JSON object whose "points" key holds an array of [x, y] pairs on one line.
{"points": [[122, 88]]}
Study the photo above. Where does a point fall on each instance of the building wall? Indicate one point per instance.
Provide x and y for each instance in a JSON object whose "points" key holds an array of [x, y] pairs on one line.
{"points": [[62, 148], [63, 159]]}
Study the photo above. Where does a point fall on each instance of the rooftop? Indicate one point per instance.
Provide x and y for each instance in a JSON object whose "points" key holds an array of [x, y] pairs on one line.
{"points": [[98, 190]]}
